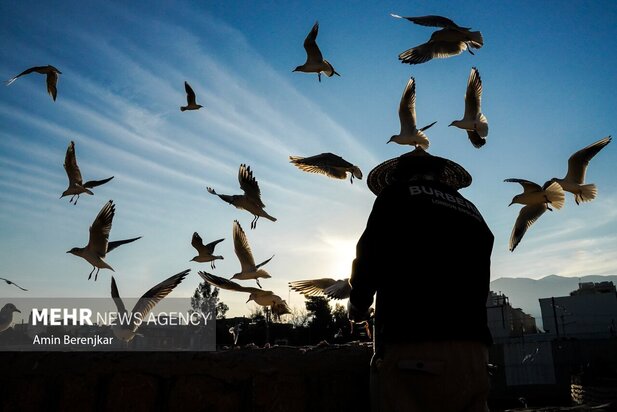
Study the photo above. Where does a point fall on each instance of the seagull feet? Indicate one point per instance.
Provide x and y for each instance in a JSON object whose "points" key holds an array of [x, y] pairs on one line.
{"points": [[90, 276], [258, 284], [212, 264], [469, 49], [254, 222], [97, 274], [319, 77]]}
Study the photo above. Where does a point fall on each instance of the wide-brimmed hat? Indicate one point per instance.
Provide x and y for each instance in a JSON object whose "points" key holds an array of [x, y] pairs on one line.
{"points": [[417, 162]]}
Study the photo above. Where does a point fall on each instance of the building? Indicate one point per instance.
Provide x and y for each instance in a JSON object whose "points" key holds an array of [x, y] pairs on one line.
{"points": [[504, 321], [590, 312]]}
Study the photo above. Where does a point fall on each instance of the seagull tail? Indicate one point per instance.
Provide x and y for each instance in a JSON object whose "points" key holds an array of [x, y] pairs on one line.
{"points": [[267, 216], [555, 195], [587, 193], [475, 39]]}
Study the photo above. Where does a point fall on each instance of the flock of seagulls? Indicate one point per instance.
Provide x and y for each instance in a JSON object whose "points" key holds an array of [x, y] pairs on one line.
{"points": [[538, 199], [448, 41]]}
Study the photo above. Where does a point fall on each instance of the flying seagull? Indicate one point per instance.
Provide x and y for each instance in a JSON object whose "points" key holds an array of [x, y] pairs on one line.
{"points": [[52, 78], [327, 164], [473, 121], [328, 287], [10, 282], [6, 316], [577, 166], [450, 41], [98, 245], [249, 270], [143, 306], [536, 200], [205, 253], [410, 134], [262, 297], [251, 199], [76, 184], [190, 99], [315, 63]]}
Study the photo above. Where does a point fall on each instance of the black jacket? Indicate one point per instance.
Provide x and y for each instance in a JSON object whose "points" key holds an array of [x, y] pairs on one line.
{"points": [[426, 252]]}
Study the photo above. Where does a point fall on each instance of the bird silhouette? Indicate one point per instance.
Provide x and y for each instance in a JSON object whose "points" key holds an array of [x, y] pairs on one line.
{"points": [[52, 78], [76, 184], [315, 63]]}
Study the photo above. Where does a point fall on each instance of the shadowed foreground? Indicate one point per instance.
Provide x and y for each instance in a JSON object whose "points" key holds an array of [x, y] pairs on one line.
{"points": [[277, 379]]}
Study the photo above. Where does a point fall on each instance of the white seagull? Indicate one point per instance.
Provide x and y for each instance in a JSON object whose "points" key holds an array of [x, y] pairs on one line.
{"points": [[205, 253], [536, 200], [450, 41], [574, 182], [327, 164], [262, 297], [52, 78], [76, 184], [98, 244], [250, 200], [6, 316], [328, 287], [249, 270], [126, 332], [191, 104], [410, 134], [315, 63], [10, 282], [474, 120]]}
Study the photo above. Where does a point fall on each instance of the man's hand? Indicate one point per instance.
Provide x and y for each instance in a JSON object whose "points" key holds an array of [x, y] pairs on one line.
{"points": [[356, 315]]}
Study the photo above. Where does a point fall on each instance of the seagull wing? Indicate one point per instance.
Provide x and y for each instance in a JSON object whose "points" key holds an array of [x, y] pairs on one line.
{"points": [[95, 183], [145, 304], [116, 297], [52, 80], [70, 166], [528, 186], [190, 94], [242, 248], [473, 95], [578, 162], [476, 140], [99, 231], [112, 245], [313, 54], [526, 217], [227, 284], [328, 164], [210, 246], [335, 289], [407, 107], [198, 243], [10, 282], [249, 185], [27, 71], [431, 50], [430, 21]]}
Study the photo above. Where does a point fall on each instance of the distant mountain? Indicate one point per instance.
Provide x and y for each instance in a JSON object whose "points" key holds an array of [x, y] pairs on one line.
{"points": [[524, 292]]}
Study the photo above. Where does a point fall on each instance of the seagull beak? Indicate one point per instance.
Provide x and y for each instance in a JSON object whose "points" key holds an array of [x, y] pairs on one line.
{"points": [[17, 310]]}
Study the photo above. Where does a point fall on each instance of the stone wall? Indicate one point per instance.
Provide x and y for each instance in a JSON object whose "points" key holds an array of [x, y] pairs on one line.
{"points": [[286, 379]]}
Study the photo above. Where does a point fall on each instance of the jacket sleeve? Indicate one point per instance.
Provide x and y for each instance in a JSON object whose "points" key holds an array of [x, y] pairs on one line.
{"points": [[364, 270]]}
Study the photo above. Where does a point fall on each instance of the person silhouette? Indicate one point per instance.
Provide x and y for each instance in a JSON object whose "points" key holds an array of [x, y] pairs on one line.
{"points": [[426, 254]]}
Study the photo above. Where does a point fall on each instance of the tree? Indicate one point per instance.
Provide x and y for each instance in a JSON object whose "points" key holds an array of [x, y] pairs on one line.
{"points": [[206, 300], [321, 322]]}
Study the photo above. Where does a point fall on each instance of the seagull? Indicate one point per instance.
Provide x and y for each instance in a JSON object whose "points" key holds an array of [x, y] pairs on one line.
{"points": [[331, 288], [143, 306], [450, 41], [577, 166], [248, 268], [98, 245], [52, 78], [251, 199], [76, 184], [6, 316], [473, 120], [410, 134], [10, 282], [235, 332], [536, 200], [315, 63], [205, 253], [190, 99], [261, 297], [327, 164]]}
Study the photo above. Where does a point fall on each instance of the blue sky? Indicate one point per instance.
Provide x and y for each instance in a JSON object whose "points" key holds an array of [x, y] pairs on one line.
{"points": [[550, 89]]}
